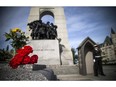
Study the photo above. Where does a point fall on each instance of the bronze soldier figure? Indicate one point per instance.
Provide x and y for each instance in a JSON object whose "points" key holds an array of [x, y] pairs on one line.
{"points": [[41, 30]]}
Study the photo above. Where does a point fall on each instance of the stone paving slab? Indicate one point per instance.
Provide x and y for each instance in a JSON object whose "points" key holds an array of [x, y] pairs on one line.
{"points": [[84, 78], [64, 69], [109, 70]]}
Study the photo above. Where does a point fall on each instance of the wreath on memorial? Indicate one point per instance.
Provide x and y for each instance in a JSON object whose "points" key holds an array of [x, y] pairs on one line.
{"points": [[22, 57]]}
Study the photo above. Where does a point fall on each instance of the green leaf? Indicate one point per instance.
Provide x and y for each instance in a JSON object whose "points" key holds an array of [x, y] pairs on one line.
{"points": [[7, 35], [7, 48], [7, 39]]}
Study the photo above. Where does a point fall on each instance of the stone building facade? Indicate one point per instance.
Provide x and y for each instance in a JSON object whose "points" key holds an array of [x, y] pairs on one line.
{"points": [[108, 47]]}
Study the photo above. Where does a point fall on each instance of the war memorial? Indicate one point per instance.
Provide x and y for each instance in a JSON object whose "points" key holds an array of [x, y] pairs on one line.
{"points": [[50, 41]]}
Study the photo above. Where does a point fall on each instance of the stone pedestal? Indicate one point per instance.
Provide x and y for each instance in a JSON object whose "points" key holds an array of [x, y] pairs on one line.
{"points": [[47, 51]]}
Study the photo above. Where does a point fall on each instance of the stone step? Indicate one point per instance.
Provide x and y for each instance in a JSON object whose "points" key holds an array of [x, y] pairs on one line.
{"points": [[59, 69], [64, 69], [74, 77]]}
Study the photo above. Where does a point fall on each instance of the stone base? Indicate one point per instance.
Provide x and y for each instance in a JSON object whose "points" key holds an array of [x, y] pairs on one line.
{"points": [[47, 51]]}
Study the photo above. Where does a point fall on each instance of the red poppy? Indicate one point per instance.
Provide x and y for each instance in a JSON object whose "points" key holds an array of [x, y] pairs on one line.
{"points": [[13, 64], [16, 60], [21, 52], [34, 59], [25, 51], [26, 60], [28, 49]]}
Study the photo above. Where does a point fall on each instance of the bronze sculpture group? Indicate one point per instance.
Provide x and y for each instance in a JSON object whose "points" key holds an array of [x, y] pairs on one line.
{"points": [[41, 30]]}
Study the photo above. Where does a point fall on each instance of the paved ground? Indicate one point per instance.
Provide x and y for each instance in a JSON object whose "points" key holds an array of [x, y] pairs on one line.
{"points": [[109, 70], [64, 73]]}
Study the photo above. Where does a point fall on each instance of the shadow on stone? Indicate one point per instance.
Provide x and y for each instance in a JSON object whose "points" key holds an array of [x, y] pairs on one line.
{"points": [[38, 67], [47, 72]]}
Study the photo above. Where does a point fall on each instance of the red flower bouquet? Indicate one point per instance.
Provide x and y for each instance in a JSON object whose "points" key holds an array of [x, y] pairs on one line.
{"points": [[22, 57], [34, 59]]}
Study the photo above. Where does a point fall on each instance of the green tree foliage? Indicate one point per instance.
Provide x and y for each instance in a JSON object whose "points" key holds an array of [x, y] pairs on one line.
{"points": [[5, 54], [74, 55]]}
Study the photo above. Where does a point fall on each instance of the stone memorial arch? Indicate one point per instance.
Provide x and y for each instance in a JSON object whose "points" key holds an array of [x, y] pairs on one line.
{"points": [[85, 56], [62, 47]]}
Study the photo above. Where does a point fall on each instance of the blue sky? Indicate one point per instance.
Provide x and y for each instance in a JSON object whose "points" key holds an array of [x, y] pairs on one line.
{"points": [[95, 22]]}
